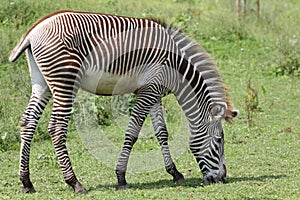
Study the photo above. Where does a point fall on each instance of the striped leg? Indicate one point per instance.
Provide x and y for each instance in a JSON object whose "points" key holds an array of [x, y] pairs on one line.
{"points": [[161, 133], [40, 96], [146, 98], [62, 107], [28, 125]]}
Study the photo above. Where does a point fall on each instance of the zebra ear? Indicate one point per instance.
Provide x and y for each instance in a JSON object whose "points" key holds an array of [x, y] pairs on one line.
{"points": [[230, 114], [217, 112]]}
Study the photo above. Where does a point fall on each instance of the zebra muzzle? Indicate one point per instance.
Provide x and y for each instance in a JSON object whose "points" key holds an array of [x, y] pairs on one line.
{"points": [[219, 177]]}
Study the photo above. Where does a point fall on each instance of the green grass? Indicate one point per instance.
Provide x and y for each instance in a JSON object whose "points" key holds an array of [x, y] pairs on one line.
{"points": [[262, 161]]}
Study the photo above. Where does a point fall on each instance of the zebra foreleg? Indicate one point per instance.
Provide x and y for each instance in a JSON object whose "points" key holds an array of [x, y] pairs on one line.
{"points": [[161, 133], [146, 98], [28, 124]]}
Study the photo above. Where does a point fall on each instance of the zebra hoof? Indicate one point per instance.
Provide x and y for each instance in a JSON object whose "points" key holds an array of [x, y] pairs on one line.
{"points": [[181, 180], [121, 187], [28, 190], [79, 189], [82, 191], [178, 178]]}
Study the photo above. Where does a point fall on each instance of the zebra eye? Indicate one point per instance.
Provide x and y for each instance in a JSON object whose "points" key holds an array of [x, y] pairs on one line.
{"points": [[218, 139]]}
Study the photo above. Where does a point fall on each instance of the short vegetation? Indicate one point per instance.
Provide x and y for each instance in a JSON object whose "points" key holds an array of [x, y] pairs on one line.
{"points": [[258, 57]]}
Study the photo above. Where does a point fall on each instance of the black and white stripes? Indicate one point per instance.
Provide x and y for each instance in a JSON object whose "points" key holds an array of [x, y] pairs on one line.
{"points": [[109, 55]]}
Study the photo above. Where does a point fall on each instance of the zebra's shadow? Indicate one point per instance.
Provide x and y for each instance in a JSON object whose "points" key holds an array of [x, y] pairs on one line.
{"points": [[189, 182]]}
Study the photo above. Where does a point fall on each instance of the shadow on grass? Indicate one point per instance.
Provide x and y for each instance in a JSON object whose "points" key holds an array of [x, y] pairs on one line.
{"points": [[258, 178], [189, 182]]}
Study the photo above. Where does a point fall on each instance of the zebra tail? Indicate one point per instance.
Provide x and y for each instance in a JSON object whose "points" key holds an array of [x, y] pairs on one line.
{"points": [[19, 49]]}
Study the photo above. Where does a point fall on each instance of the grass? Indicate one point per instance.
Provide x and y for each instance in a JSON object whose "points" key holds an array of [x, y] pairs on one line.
{"points": [[262, 161]]}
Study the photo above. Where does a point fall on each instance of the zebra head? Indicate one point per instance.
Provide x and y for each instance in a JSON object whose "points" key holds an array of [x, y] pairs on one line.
{"points": [[208, 145]]}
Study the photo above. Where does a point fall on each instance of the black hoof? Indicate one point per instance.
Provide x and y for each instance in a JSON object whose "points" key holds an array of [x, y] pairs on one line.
{"points": [[83, 191], [79, 189], [121, 187], [178, 178], [28, 190], [27, 185], [181, 180]]}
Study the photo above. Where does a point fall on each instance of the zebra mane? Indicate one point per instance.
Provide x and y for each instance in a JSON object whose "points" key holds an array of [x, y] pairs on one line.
{"points": [[202, 61], [160, 21]]}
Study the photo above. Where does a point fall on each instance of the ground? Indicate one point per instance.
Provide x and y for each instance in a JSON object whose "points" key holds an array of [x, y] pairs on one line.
{"points": [[258, 59]]}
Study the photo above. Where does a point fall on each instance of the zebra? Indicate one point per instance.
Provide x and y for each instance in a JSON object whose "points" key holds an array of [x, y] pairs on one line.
{"points": [[113, 55]]}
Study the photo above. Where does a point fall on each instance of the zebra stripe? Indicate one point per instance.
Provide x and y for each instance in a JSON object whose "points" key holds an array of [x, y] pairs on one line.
{"points": [[108, 55]]}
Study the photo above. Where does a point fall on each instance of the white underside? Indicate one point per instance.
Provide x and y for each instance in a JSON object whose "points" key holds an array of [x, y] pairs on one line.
{"points": [[104, 83]]}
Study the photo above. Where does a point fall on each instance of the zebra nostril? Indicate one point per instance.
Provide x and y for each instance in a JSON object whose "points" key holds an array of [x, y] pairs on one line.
{"points": [[209, 179], [223, 179], [225, 171]]}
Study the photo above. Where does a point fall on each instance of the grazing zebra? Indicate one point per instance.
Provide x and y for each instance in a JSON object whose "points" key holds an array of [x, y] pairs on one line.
{"points": [[110, 55]]}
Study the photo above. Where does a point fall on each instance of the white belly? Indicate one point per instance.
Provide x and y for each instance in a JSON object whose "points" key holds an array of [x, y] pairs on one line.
{"points": [[108, 84]]}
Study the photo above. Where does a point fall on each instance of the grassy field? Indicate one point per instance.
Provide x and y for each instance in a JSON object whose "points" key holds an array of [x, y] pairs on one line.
{"points": [[259, 62]]}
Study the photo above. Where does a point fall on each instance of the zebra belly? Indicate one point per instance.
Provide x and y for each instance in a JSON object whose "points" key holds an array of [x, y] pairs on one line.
{"points": [[109, 84]]}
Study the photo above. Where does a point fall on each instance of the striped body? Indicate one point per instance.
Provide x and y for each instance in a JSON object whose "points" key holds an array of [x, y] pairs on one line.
{"points": [[111, 55]]}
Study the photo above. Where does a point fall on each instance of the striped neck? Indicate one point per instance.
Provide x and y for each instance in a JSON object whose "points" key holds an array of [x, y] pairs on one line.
{"points": [[200, 90]]}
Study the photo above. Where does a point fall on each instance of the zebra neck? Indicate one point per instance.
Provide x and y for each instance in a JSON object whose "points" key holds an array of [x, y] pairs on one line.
{"points": [[198, 94], [194, 100]]}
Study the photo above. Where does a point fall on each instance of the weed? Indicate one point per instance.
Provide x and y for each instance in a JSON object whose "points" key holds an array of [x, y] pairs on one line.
{"points": [[103, 109], [252, 104], [288, 60]]}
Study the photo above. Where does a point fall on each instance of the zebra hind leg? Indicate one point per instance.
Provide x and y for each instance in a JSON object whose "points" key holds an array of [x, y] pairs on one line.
{"points": [[64, 93], [28, 125], [58, 130], [161, 133], [40, 96]]}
